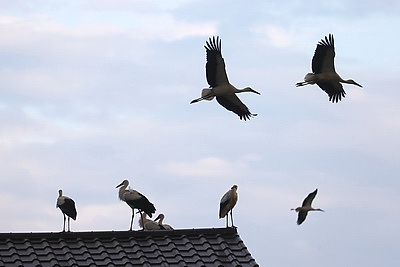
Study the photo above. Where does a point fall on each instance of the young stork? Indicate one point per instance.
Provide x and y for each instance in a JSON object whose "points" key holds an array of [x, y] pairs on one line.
{"points": [[228, 201], [221, 89], [67, 207], [161, 217], [306, 207], [324, 74], [135, 200], [148, 224]]}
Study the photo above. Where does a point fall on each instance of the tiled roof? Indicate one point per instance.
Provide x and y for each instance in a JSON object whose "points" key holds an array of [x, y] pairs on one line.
{"points": [[186, 247]]}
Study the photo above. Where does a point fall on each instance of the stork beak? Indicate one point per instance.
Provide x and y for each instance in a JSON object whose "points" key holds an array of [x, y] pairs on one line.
{"points": [[119, 185], [358, 84], [158, 217], [195, 100], [254, 91]]}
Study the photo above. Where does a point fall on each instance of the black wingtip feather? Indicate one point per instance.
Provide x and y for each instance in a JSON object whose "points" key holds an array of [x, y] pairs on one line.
{"points": [[328, 41], [337, 97], [213, 44]]}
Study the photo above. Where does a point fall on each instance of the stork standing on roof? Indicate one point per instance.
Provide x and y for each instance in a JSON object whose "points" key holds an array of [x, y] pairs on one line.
{"points": [[217, 78], [161, 217], [324, 74], [228, 201], [67, 207], [135, 200], [306, 207]]}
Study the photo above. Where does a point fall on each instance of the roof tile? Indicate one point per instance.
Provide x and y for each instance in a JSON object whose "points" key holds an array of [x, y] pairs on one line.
{"points": [[186, 247]]}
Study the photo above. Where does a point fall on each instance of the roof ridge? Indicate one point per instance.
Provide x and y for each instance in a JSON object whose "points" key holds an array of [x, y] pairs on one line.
{"points": [[138, 233]]}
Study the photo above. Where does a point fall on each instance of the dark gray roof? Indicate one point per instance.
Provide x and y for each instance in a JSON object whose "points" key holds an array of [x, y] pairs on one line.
{"points": [[186, 247]]}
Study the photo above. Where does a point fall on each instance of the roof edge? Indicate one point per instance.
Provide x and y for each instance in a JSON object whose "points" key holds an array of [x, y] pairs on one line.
{"points": [[112, 233]]}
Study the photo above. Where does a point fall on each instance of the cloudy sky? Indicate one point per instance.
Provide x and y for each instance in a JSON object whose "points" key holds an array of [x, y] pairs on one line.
{"points": [[95, 92]]}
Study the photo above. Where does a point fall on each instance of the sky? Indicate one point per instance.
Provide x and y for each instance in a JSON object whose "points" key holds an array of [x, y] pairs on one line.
{"points": [[95, 92]]}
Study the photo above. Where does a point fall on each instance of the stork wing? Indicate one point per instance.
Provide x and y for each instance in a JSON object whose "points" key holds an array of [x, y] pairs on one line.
{"points": [[308, 200], [226, 197], [215, 66], [334, 90], [324, 55], [142, 204], [232, 102], [301, 217], [223, 209], [68, 207]]}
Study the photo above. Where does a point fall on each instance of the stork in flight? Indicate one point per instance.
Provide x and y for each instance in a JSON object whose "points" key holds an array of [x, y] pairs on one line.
{"points": [[161, 217], [67, 207], [135, 200], [324, 74], [306, 207], [221, 89], [228, 201]]}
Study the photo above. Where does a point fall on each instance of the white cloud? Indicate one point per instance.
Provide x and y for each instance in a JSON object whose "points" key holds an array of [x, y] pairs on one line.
{"points": [[275, 36], [210, 167], [18, 31], [166, 27]]}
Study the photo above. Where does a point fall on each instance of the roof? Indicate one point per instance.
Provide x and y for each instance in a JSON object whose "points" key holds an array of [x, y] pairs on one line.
{"points": [[186, 247]]}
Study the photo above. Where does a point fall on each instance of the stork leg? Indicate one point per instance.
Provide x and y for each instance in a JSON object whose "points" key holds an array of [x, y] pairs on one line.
{"points": [[202, 98], [133, 215], [64, 223], [227, 220], [141, 218], [301, 84], [196, 100], [231, 218], [69, 224]]}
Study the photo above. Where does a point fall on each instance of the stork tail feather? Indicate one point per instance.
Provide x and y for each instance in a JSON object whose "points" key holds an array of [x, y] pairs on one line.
{"points": [[308, 79], [207, 94]]}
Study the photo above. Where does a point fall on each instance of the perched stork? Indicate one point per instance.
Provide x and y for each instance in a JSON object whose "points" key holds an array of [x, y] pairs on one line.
{"points": [[306, 207], [67, 207], [135, 200], [161, 217], [219, 84], [228, 201], [324, 74], [148, 224]]}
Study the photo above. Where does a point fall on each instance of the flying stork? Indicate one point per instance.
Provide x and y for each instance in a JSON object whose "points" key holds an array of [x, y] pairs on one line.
{"points": [[217, 78], [161, 217], [228, 201], [135, 200], [67, 207], [306, 207], [324, 74]]}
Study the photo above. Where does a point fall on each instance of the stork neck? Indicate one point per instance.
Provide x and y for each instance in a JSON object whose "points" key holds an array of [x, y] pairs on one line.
{"points": [[246, 89], [122, 191]]}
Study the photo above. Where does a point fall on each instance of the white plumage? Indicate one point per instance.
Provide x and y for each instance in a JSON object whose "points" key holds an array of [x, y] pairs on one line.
{"points": [[148, 224], [161, 217]]}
